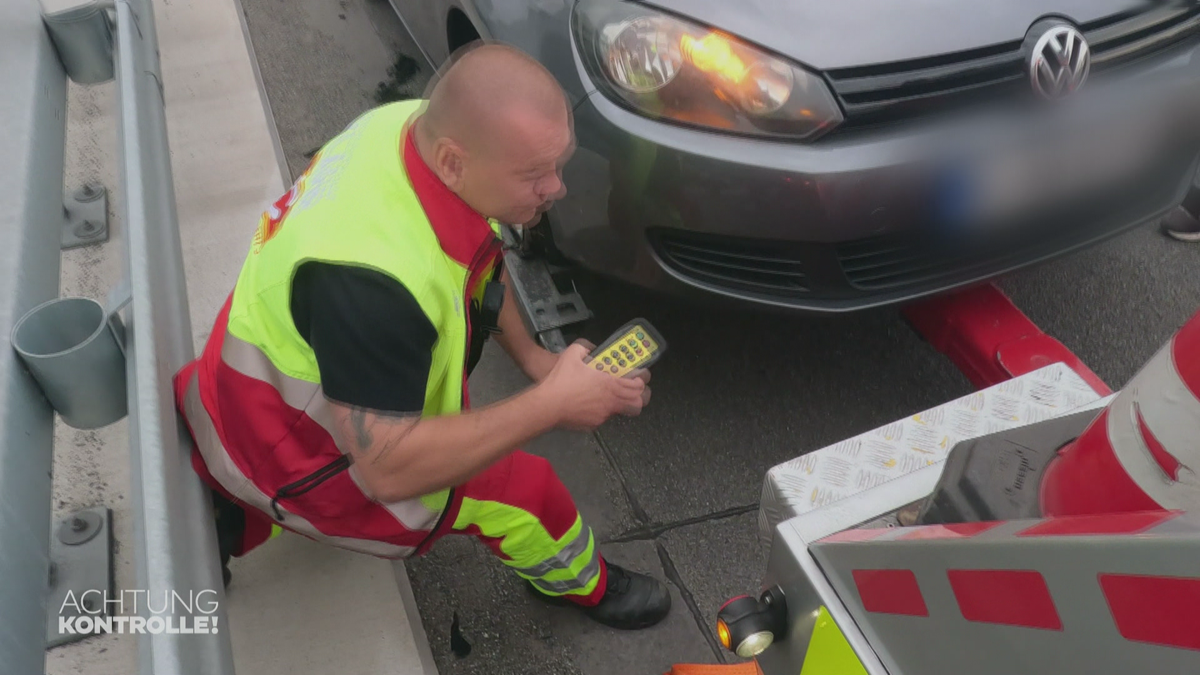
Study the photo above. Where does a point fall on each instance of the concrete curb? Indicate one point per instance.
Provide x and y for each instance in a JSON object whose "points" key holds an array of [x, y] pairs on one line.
{"points": [[285, 172], [420, 637]]}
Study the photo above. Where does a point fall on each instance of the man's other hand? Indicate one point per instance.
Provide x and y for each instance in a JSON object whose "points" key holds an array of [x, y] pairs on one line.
{"points": [[583, 398]]}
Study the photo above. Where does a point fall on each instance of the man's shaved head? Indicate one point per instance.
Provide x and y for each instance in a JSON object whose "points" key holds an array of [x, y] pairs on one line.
{"points": [[486, 82], [496, 130]]}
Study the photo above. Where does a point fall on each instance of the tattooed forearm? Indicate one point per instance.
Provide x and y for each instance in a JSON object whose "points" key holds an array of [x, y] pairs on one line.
{"points": [[396, 439], [365, 428]]}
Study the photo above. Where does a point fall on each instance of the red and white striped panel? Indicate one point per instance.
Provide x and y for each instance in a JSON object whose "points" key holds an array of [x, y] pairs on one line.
{"points": [[1136, 522], [1141, 453], [1161, 610], [1157, 610]]}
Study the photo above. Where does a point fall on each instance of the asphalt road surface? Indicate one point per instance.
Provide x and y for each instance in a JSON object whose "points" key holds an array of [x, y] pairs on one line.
{"points": [[673, 492]]}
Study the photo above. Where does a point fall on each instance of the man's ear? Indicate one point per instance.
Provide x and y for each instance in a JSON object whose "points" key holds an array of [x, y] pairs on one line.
{"points": [[449, 163]]}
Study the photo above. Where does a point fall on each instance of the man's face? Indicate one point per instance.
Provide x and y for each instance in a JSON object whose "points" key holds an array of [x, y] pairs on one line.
{"points": [[515, 174]]}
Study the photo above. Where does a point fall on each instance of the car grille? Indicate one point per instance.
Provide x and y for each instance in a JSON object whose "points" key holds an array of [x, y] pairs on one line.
{"points": [[894, 92], [767, 268]]}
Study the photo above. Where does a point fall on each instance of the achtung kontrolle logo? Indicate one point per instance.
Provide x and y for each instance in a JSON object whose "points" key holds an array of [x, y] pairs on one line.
{"points": [[97, 612]]}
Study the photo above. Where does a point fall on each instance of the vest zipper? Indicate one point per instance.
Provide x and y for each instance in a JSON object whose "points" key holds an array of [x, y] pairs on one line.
{"points": [[309, 482], [440, 521], [490, 247]]}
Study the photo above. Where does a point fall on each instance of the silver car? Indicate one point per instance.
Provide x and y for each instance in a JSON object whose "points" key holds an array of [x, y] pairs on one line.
{"points": [[833, 155]]}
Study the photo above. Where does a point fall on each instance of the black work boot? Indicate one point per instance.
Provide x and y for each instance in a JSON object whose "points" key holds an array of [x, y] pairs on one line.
{"points": [[631, 601], [231, 525]]}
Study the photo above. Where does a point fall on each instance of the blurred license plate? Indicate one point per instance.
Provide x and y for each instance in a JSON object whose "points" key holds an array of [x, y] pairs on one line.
{"points": [[1023, 179]]}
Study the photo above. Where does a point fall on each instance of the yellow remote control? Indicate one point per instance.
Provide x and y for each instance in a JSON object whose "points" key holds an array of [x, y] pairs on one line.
{"points": [[637, 345]]}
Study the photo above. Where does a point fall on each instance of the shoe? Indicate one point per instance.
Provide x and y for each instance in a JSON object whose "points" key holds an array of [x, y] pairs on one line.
{"points": [[1181, 225], [631, 601]]}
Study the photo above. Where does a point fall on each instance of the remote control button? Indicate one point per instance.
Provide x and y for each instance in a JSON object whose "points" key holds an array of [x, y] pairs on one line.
{"points": [[614, 369], [624, 348], [647, 343], [632, 342], [639, 351], [599, 366], [615, 355], [621, 363], [607, 361], [641, 335]]}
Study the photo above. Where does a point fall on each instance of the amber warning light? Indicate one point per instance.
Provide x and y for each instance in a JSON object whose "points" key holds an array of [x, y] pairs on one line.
{"points": [[746, 626]]}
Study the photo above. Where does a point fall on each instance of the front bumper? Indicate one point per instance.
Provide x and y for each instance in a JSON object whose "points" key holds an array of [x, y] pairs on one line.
{"points": [[849, 222]]}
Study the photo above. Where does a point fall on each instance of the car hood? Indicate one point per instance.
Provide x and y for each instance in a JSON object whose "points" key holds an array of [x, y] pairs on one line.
{"points": [[828, 34]]}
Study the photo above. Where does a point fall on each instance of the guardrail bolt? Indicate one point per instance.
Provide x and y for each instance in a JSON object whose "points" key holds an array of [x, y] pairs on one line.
{"points": [[78, 524], [87, 230], [89, 192]]}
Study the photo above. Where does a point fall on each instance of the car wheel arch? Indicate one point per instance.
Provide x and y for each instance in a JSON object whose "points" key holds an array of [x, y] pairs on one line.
{"points": [[461, 29]]}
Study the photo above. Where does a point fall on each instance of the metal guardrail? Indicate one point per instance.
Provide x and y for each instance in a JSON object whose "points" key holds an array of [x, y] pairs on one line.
{"points": [[32, 133], [175, 544]]}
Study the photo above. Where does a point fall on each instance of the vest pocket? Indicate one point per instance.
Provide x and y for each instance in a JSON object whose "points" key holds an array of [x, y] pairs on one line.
{"points": [[309, 482]]}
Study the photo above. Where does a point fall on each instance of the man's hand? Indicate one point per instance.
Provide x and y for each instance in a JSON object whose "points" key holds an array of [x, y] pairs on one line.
{"points": [[583, 398]]}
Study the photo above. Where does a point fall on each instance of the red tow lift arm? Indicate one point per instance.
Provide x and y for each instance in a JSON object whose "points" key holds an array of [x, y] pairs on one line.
{"points": [[989, 339]]}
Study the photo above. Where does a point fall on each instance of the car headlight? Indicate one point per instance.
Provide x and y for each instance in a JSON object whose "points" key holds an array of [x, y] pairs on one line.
{"points": [[668, 68]]}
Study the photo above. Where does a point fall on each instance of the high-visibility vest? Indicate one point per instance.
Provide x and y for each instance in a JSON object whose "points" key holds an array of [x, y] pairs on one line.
{"points": [[255, 404]]}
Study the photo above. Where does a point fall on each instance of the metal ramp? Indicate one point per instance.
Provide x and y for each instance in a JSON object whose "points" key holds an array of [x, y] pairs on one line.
{"points": [[1080, 594], [1096, 594]]}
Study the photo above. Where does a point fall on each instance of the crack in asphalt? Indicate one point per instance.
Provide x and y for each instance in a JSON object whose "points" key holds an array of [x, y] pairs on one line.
{"points": [[654, 530], [650, 531], [638, 512], [672, 575]]}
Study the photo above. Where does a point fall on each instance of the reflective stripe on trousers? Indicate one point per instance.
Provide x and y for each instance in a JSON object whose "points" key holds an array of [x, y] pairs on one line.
{"points": [[569, 565], [520, 509]]}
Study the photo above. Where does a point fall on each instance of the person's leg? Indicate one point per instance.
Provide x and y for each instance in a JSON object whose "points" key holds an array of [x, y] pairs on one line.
{"points": [[1184, 222], [239, 530], [521, 510]]}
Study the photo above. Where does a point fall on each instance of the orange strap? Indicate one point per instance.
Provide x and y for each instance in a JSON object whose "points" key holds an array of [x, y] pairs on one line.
{"points": [[748, 668]]}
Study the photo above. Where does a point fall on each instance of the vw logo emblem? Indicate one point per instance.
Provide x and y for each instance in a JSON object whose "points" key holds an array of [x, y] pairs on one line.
{"points": [[1059, 62]]}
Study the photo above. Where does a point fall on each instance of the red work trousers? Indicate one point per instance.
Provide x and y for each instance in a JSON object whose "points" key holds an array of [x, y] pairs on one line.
{"points": [[518, 507]]}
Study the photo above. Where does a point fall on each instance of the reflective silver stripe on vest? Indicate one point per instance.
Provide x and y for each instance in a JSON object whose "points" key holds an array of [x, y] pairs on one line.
{"points": [[250, 361], [565, 557], [577, 584], [227, 473]]}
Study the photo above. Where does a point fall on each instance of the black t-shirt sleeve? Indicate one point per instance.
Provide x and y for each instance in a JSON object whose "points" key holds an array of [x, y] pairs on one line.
{"points": [[373, 342]]}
